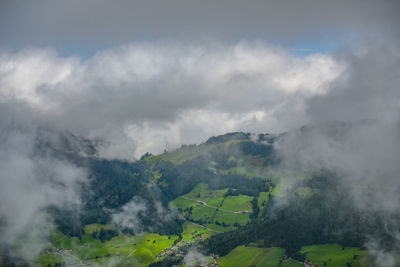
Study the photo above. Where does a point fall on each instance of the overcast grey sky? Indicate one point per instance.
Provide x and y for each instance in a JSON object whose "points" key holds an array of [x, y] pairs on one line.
{"points": [[82, 27]]}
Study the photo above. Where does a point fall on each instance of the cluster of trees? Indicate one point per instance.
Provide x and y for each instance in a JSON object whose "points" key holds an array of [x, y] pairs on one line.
{"points": [[242, 184], [231, 192], [181, 179], [256, 209], [114, 183], [104, 234]]}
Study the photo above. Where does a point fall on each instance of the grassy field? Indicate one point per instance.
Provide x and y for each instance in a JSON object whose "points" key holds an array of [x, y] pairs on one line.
{"points": [[248, 256], [237, 203], [215, 201], [202, 213], [90, 228], [335, 255], [182, 203], [181, 155], [272, 258], [199, 193], [202, 192], [321, 255], [231, 219], [212, 205], [143, 248], [137, 250], [220, 228], [191, 231], [250, 166], [232, 204]]}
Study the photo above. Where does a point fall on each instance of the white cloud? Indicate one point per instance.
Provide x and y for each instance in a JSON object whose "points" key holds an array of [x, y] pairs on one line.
{"points": [[28, 74], [152, 96], [194, 258], [128, 216]]}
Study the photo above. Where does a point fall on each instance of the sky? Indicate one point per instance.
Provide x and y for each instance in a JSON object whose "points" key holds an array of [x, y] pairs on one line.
{"points": [[82, 28], [145, 76]]}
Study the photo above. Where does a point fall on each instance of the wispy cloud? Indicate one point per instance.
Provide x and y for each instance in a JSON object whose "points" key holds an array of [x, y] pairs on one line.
{"points": [[29, 184]]}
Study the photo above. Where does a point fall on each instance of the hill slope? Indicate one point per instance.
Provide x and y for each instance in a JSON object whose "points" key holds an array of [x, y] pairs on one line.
{"points": [[229, 198]]}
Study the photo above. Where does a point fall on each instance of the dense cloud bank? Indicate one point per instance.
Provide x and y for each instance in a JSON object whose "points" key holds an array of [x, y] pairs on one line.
{"points": [[150, 96], [354, 131], [355, 127]]}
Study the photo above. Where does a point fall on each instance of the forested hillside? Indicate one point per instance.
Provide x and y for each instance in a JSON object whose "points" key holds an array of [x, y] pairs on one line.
{"points": [[227, 196]]}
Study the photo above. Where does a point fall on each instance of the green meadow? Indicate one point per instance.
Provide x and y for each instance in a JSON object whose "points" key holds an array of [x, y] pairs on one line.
{"points": [[253, 256], [213, 207], [336, 255], [192, 230], [90, 228], [123, 250], [321, 255]]}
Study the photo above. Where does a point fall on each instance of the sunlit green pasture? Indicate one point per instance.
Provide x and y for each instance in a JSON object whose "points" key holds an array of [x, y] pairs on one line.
{"points": [[139, 250], [90, 228], [335, 255], [213, 206], [243, 256]]}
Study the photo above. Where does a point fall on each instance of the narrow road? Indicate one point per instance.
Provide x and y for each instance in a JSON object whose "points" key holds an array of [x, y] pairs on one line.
{"points": [[131, 252]]}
